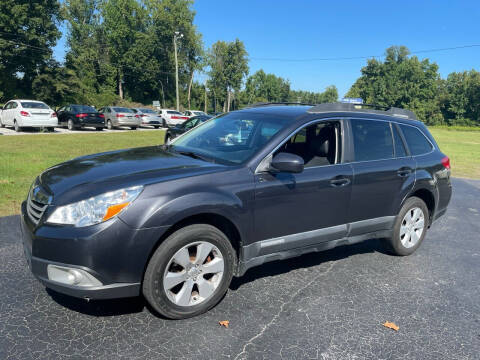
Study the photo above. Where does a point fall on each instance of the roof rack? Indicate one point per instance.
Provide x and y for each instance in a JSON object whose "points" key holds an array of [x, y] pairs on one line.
{"points": [[365, 108], [259, 104]]}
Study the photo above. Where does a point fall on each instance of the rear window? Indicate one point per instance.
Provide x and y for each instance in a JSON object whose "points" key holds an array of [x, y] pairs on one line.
{"points": [[84, 108], [372, 140], [122, 109], [33, 105], [416, 141], [148, 111]]}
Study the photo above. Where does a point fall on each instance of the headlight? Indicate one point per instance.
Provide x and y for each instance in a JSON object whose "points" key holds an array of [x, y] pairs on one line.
{"points": [[96, 209]]}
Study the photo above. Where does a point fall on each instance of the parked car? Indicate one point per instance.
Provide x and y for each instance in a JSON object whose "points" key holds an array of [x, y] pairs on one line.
{"points": [[78, 116], [176, 222], [150, 117], [192, 113], [28, 113], [179, 129], [116, 116], [172, 117]]}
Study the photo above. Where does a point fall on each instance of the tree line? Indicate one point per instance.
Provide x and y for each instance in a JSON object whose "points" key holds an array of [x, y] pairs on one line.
{"points": [[122, 51]]}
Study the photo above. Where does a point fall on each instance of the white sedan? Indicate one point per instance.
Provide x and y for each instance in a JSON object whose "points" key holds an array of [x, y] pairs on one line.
{"points": [[28, 113]]}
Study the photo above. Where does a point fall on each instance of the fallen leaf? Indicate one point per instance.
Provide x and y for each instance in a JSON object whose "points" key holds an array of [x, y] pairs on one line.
{"points": [[391, 325], [224, 323]]}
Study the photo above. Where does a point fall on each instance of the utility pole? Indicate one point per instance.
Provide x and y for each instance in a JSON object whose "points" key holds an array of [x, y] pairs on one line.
{"points": [[176, 36]]}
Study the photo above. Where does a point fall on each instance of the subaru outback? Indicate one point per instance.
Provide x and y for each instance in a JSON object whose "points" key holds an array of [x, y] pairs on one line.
{"points": [[176, 222]]}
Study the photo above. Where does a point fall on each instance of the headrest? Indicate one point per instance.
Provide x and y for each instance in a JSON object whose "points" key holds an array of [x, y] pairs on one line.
{"points": [[320, 145]]}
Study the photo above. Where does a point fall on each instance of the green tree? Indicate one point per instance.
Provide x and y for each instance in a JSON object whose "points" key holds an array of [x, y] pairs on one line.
{"points": [[28, 32], [401, 81], [328, 96], [262, 87], [228, 67]]}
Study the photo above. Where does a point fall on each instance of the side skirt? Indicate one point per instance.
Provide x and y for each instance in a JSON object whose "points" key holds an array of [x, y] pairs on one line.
{"points": [[313, 241]]}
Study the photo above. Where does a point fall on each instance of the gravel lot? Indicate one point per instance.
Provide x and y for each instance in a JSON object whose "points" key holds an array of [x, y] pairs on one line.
{"points": [[33, 131], [329, 305]]}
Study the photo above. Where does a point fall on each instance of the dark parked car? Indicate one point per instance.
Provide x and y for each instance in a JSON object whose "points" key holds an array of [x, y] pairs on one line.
{"points": [[79, 116], [179, 129], [176, 222]]}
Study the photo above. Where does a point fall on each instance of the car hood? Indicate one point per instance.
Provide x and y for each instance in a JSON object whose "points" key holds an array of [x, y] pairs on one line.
{"points": [[99, 173]]}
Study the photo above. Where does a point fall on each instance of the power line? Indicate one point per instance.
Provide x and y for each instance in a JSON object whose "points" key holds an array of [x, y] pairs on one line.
{"points": [[363, 57]]}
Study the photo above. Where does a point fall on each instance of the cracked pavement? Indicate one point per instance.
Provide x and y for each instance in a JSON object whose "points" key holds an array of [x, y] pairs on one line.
{"points": [[328, 305]]}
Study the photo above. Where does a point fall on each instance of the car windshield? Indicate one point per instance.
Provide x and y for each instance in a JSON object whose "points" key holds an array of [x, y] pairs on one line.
{"points": [[33, 105], [148, 111], [122, 110], [232, 138], [84, 108]]}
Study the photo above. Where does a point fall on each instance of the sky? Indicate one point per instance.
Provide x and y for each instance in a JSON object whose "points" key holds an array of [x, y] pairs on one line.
{"points": [[287, 38]]}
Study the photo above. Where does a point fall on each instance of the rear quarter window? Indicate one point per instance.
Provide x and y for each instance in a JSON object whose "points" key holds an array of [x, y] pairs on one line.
{"points": [[416, 141]]}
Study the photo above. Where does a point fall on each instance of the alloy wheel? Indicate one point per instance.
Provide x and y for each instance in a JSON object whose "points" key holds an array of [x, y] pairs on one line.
{"points": [[193, 274], [412, 227]]}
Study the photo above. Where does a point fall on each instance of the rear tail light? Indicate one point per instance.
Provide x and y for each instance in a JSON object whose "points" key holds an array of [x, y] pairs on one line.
{"points": [[446, 162], [143, 115], [102, 116], [81, 115], [24, 113], [120, 115], [54, 114], [179, 118], [138, 116]]}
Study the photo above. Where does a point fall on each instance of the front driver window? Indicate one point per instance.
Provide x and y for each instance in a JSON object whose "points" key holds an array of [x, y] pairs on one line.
{"points": [[317, 144]]}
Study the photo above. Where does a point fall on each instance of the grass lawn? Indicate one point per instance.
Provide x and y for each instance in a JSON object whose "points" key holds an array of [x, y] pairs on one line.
{"points": [[23, 157]]}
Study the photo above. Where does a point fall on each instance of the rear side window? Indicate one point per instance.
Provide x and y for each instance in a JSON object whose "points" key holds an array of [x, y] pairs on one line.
{"points": [[397, 139], [372, 140], [416, 141]]}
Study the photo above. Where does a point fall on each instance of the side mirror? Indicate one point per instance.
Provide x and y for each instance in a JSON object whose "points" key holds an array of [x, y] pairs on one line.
{"points": [[286, 162]]}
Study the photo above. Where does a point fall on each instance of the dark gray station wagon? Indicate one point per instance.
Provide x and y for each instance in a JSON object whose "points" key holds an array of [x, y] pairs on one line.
{"points": [[175, 222]]}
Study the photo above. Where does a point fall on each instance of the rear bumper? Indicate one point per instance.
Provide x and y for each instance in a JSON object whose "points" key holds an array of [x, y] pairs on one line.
{"points": [[112, 252], [32, 122]]}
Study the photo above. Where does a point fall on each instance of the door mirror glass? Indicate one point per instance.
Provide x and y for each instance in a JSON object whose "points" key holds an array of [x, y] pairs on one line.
{"points": [[286, 162]]}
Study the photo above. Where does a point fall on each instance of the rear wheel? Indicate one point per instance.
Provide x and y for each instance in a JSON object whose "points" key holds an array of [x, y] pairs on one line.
{"points": [[133, 127], [410, 227], [164, 123], [70, 125], [156, 127], [109, 125], [16, 126], [99, 128], [190, 272]]}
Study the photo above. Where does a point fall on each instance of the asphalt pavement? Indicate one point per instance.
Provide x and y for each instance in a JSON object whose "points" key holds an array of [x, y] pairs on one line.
{"points": [[328, 305]]}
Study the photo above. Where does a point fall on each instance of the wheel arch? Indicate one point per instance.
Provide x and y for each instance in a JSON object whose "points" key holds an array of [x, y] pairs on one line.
{"points": [[428, 197], [221, 222]]}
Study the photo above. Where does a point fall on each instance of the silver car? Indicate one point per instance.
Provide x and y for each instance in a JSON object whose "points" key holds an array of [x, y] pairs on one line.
{"points": [[116, 116], [150, 117]]}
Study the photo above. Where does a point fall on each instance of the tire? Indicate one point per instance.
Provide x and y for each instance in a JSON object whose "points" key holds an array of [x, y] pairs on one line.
{"points": [[109, 125], [51, 129], [70, 125], [2, 125], [171, 303], [133, 127], [406, 236], [99, 128], [16, 127], [156, 126], [164, 123]]}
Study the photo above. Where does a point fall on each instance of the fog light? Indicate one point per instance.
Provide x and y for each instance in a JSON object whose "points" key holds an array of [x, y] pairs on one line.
{"points": [[71, 276]]}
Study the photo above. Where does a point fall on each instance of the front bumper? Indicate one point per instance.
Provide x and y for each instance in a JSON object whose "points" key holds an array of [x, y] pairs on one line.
{"points": [[112, 252]]}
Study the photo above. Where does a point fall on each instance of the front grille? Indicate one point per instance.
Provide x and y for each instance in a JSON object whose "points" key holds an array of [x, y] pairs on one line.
{"points": [[35, 209]]}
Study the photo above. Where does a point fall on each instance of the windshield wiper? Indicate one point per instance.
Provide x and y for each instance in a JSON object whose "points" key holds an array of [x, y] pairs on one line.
{"points": [[195, 155]]}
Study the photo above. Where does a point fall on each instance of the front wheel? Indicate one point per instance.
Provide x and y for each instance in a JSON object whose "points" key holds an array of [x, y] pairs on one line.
{"points": [[2, 125], [167, 139], [410, 227], [190, 272]]}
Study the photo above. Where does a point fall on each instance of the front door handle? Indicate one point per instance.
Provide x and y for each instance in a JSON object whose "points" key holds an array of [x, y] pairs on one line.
{"points": [[337, 182], [404, 172]]}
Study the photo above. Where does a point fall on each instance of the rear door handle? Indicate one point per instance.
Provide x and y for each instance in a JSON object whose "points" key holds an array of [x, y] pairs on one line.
{"points": [[337, 182], [404, 172]]}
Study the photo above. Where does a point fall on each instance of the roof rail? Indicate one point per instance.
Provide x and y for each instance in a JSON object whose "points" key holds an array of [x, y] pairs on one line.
{"points": [[365, 108], [260, 104]]}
